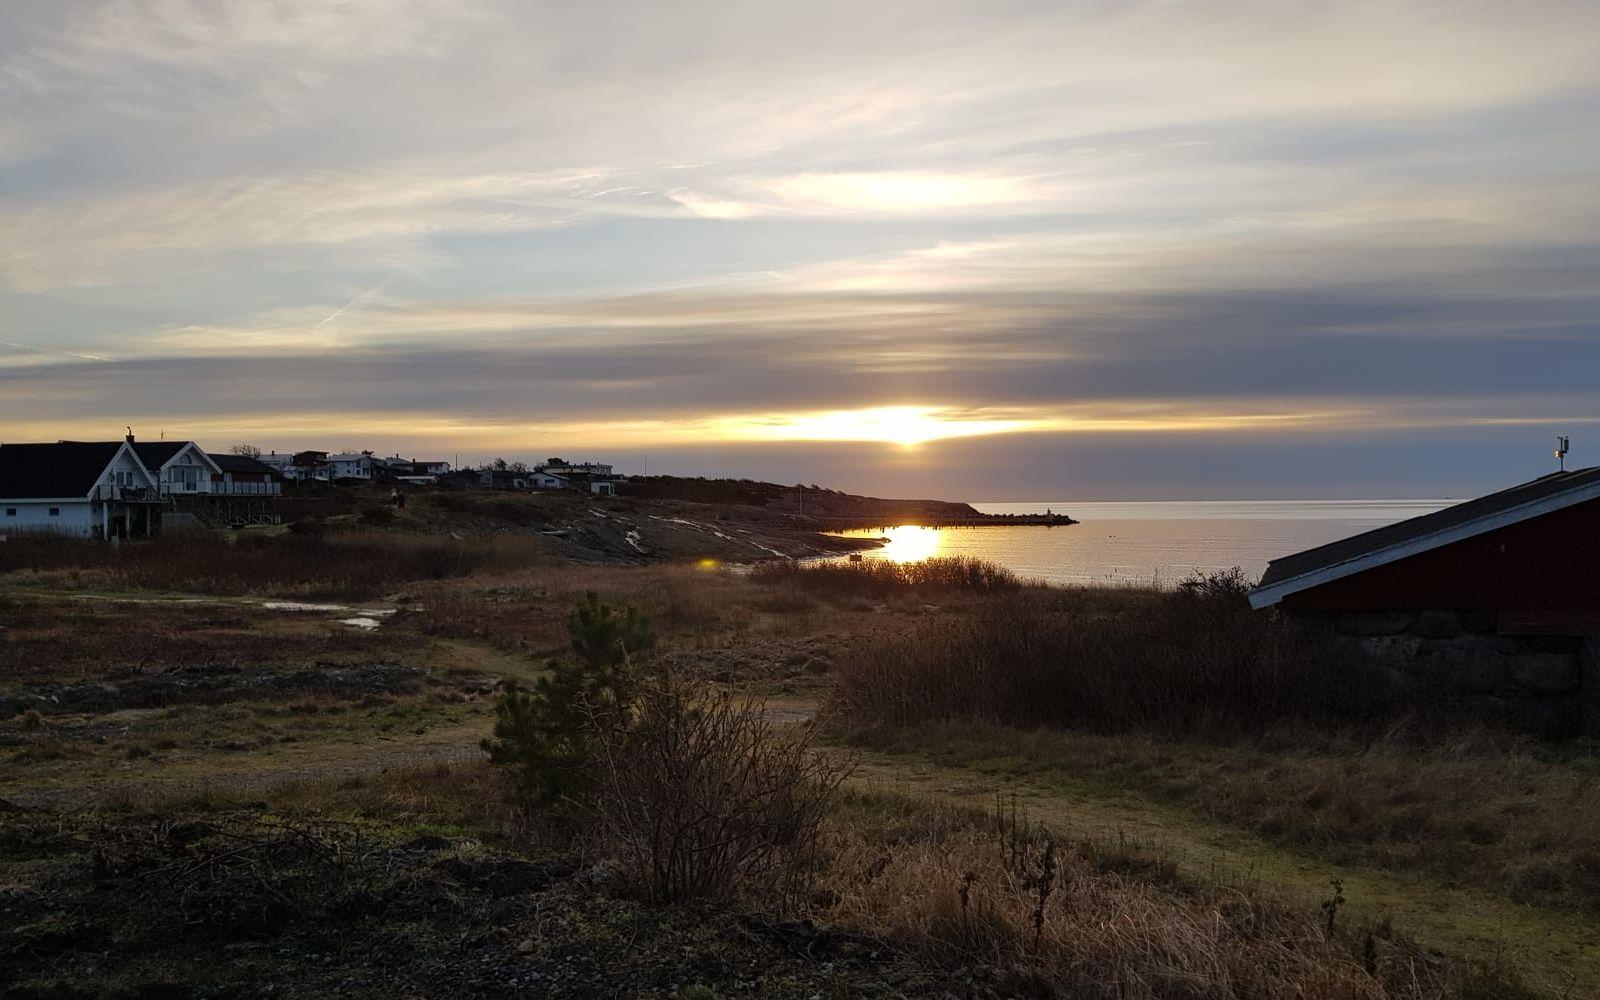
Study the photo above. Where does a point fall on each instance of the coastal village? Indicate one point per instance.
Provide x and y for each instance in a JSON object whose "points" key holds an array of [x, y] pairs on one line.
{"points": [[129, 488]]}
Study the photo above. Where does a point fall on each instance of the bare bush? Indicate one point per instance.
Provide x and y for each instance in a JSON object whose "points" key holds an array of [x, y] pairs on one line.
{"points": [[703, 798]]}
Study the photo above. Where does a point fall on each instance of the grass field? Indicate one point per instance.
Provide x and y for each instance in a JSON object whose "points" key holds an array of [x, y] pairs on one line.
{"points": [[158, 718]]}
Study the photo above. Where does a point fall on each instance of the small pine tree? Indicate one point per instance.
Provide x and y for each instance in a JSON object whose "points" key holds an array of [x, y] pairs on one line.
{"points": [[543, 734]]}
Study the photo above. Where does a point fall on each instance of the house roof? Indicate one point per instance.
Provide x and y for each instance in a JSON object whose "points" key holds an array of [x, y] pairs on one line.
{"points": [[155, 454], [63, 469], [1402, 539], [242, 463]]}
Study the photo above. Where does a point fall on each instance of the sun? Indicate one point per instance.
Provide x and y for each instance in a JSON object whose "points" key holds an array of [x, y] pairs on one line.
{"points": [[911, 543], [905, 426]]}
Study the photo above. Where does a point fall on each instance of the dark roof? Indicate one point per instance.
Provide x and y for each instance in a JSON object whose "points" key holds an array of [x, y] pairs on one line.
{"points": [[242, 463], [1547, 492], [155, 454], [64, 469]]}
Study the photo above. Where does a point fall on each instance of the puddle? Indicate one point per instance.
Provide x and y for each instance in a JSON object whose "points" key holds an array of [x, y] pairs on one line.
{"points": [[366, 619]]}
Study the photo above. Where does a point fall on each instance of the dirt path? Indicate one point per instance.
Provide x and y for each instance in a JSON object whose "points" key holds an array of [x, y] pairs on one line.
{"points": [[1559, 952]]}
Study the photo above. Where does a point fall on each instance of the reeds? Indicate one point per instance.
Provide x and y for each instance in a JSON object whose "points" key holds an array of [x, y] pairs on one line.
{"points": [[881, 578], [1193, 661]]}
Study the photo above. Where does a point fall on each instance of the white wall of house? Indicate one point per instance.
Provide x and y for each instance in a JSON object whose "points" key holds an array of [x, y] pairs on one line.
{"points": [[71, 517], [126, 470], [79, 516], [350, 466], [189, 471]]}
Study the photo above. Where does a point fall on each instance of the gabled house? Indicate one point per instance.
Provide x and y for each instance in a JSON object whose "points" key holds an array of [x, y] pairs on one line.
{"points": [[180, 467], [1498, 598], [87, 489], [242, 475]]}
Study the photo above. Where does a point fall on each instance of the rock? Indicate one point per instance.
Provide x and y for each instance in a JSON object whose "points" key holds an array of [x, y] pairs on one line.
{"points": [[1480, 621], [526, 946], [1508, 644], [1392, 648], [1373, 623], [1553, 718], [1438, 624], [1467, 665], [1589, 684], [1546, 673]]}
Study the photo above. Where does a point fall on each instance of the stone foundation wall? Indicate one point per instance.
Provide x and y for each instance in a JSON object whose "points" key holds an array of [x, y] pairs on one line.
{"points": [[1549, 684]]}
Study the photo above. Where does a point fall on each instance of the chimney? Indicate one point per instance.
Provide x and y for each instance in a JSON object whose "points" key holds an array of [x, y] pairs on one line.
{"points": [[129, 438]]}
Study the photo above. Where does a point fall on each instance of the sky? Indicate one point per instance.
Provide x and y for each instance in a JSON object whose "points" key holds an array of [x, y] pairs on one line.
{"points": [[997, 251]]}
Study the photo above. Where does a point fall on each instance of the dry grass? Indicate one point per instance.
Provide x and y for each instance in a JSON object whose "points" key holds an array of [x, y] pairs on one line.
{"points": [[1486, 809], [880, 578], [351, 564], [1186, 662], [1048, 917], [526, 611], [54, 638]]}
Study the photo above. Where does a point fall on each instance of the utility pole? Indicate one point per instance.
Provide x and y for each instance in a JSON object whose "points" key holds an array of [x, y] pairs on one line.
{"points": [[1561, 452]]}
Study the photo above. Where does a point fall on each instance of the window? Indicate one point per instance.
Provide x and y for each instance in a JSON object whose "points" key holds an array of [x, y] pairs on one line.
{"points": [[55, 511], [11, 512]]}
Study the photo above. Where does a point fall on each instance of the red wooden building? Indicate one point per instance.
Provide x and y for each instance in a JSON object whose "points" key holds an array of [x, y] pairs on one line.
{"points": [[1501, 594]]}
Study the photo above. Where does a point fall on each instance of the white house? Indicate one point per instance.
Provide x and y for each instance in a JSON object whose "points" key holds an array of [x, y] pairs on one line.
{"points": [[301, 465], [561, 467], [544, 479], [89, 489], [180, 467], [351, 466]]}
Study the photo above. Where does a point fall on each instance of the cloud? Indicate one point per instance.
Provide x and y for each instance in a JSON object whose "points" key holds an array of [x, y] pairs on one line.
{"points": [[1063, 219]]}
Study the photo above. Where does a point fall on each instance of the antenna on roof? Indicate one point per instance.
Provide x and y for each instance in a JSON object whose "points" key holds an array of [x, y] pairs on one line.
{"points": [[1561, 452]]}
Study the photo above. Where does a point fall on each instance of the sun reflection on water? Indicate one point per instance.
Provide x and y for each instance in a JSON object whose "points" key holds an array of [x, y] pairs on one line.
{"points": [[911, 543]]}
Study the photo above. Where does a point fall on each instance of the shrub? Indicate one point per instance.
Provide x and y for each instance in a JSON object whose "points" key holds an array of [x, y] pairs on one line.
{"points": [[546, 735], [702, 799]]}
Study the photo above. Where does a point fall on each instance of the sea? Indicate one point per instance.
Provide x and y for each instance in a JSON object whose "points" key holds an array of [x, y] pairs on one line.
{"points": [[1148, 543]]}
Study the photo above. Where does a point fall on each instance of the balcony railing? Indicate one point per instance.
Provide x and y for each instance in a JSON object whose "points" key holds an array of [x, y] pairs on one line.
{"points": [[248, 489], [115, 491], [212, 488]]}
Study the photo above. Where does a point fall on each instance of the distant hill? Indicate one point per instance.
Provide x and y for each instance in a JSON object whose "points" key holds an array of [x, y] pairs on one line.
{"points": [[810, 500]]}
